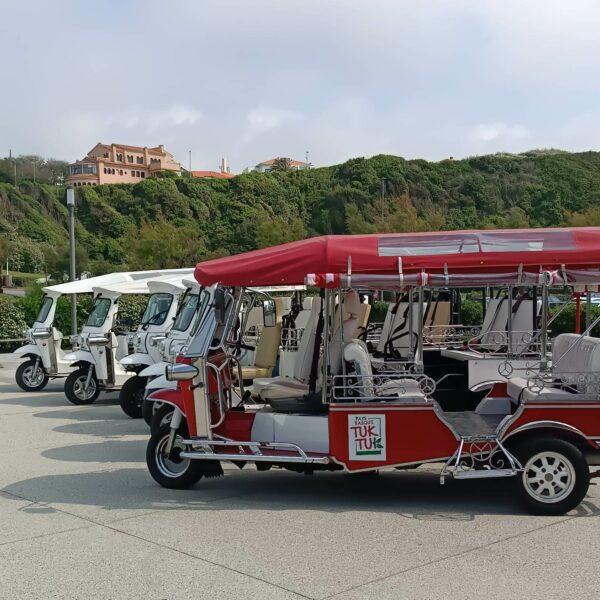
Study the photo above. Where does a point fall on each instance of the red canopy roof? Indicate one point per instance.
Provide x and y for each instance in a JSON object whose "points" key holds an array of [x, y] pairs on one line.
{"points": [[455, 251]]}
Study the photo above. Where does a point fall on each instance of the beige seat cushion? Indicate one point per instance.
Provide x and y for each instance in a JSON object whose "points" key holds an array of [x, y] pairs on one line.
{"points": [[518, 391], [278, 391], [252, 372]]}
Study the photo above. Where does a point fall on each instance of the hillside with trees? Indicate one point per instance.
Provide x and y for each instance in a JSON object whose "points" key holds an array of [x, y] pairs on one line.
{"points": [[176, 221]]}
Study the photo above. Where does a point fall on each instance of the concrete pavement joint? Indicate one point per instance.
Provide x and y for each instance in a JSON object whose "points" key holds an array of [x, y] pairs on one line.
{"points": [[110, 527], [450, 556]]}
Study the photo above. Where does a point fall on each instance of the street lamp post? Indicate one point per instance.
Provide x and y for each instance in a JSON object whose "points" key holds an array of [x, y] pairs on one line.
{"points": [[71, 207]]}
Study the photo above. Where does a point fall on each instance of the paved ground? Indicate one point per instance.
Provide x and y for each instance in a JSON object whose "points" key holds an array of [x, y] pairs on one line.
{"points": [[81, 518]]}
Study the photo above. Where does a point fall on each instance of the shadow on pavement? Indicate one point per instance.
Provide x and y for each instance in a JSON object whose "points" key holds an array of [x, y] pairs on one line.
{"points": [[414, 495]]}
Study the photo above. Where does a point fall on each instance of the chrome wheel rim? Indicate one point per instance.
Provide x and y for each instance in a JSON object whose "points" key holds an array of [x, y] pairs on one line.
{"points": [[33, 377], [549, 477], [79, 388], [171, 467]]}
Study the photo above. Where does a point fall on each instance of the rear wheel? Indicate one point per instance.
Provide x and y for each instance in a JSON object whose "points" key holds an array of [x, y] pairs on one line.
{"points": [[131, 396], [30, 379], [555, 477], [172, 470], [76, 390]]}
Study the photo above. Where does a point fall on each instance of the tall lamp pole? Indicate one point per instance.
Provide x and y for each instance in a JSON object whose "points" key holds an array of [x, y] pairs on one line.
{"points": [[71, 207]]}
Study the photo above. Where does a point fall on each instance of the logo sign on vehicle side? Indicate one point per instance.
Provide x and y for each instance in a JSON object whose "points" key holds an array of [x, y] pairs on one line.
{"points": [[366, 437]]}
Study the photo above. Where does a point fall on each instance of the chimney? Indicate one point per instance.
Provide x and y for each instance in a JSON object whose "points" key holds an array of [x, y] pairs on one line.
{"points": [[224, 167]]}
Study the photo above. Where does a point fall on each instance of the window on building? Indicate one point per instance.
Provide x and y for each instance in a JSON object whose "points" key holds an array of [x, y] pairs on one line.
{"points": [[120, 171], [140, 160], [130, 158], [105, 170], [120, 157], [105, 155], [143, 174]]}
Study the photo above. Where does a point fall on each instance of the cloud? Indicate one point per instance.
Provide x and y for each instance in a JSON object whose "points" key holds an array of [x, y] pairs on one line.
{"points": [[340, 78], [152, 120], [265, 118], [498, 131]]}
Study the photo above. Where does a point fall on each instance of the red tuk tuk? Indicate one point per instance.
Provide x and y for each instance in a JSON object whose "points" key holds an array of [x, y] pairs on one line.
{"points": [[535, 417]]}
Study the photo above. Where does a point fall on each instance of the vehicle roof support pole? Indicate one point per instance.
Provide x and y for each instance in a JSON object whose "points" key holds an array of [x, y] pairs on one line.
{"points": [[419, 354], [588, 308], [544, 325], [325, 366], [411, 325], [509, 320]]}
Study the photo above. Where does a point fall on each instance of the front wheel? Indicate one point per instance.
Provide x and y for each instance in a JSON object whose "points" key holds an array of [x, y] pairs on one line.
{"points": [[76, 390], [29, 378], [171, 470], [555, 477], [131, 396]]}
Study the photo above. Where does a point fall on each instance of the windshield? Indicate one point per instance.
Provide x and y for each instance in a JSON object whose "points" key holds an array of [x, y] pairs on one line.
{"points": [[157, 310], [186, 313], [99, 311], [45, 309]]}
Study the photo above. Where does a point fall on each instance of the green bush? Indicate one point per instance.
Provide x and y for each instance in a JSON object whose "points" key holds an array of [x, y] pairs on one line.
{"points": [[565, 322], [471, 312], [12, 322], [132, 307], [378, 312]]}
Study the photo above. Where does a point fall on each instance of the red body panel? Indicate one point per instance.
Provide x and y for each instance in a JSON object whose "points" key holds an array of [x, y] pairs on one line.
{"points": [[583, 416], [412, 434], [237, 426]]}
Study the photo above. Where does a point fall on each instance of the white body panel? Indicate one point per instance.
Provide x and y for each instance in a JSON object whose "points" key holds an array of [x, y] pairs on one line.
{"points": [[311, 433]]}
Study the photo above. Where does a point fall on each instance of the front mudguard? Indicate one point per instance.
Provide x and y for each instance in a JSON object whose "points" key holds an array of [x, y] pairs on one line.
{"points": [[136, 359], [28, 351], [154, 370], [79, 357], [160, 383], [172, 397]]}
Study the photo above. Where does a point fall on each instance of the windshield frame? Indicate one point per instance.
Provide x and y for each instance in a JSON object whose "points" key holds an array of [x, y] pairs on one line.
{"points": [[99, 301], [148, 321], [44, 311], [189, 313]]}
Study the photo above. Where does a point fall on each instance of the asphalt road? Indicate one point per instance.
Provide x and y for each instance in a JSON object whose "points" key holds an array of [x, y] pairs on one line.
{"points": [[81, 518]]}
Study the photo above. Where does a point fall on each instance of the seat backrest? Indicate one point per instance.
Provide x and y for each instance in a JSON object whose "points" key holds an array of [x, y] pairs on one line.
{"points": [[306, 347], [302, 318], [356, 353], [268, 343], [439, 314], [387, 327], [402, 339], [351, 307], [584, 357], [493, 329], [522, 326], [255, 317]]}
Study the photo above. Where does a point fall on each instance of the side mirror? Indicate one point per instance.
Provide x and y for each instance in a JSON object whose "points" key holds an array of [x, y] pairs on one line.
{"points": [[219, 304], [269, 313]]}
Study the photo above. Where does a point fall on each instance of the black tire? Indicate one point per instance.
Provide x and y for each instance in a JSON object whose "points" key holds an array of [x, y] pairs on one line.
{"points": [[161, 418], [74, 387], [24, 380], [131, 396], [172, 472], [556, 476], [148, 411]]}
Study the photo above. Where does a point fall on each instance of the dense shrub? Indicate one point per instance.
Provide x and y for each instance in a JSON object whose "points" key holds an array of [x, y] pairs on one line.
{"points": [[12, 322], [565, 321], [471, 312]]}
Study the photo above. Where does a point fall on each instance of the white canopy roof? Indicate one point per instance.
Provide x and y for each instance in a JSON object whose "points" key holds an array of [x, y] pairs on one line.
{"points": [[83, 286]]}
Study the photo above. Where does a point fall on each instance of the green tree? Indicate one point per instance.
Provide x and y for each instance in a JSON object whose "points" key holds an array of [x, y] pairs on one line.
{"points": [[162, 245], [282, 164]]}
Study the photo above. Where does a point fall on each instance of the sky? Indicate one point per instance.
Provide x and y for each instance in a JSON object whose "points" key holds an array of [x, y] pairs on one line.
{"points": [[253, 79]]}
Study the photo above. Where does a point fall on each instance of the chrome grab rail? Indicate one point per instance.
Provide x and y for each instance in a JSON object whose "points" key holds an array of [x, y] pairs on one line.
{"points": [[382, 387], [256, 449]]}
